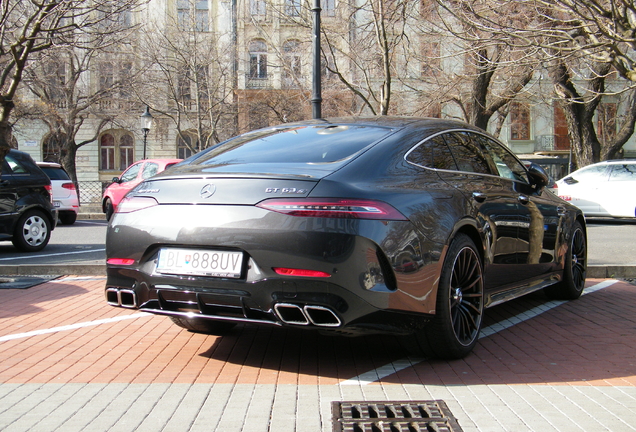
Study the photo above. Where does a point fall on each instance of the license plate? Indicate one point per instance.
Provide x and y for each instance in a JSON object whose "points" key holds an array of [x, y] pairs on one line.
{"points": [[57, 204], [200, 262]]}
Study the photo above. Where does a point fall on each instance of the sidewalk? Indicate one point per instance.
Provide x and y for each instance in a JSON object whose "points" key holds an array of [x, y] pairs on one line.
{"points": [[540, 366]]}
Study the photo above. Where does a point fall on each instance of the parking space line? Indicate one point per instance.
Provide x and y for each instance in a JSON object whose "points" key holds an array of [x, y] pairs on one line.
{"points": [[22, 257], [396, 366], [73, 326]]}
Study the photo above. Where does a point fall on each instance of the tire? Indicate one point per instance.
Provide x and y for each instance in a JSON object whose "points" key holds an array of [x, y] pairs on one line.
{"points": [[202, 325], [575, 268], [32, 232], [453, 332], [68, 217], [108, 208]]}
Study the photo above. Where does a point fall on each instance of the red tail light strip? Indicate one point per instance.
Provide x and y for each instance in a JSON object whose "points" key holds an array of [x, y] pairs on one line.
{"points": [[333, 208], [300, 272]]}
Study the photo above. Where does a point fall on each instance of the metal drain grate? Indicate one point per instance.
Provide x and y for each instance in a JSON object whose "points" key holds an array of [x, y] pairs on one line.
{"points": [[408, 416]]}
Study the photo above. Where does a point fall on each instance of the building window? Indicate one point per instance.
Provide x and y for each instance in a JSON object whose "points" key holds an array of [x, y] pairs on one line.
{"points": [[291, 60], [431, 59], [519, 122], [116, 150], [329, 8], [258, 59], [292, 8], [258, 8], [186, 145], [193, 15]]}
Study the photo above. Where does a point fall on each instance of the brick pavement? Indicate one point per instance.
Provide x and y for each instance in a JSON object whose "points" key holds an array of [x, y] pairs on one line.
{"points": [[70, 362]]}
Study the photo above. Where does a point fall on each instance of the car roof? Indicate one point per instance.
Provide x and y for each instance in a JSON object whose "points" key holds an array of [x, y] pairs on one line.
{"points": [[49, 164]]}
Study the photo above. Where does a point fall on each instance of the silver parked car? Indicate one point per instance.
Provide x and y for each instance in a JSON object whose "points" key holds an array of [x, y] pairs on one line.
{"points": [[65, 197], [602, 189]]}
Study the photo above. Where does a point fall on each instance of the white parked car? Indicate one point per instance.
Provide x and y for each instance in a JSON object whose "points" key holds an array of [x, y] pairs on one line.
{"points": [[64, 192], [602, 189]]}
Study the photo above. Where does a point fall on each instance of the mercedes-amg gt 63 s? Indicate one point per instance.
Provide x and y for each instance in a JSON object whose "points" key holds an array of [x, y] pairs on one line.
{"points": [[402, 226]]}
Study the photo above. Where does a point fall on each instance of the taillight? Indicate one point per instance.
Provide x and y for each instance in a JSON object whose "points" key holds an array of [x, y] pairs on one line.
{"points": [[300, 272], [69, 186], [49, 189], [132, 204], [120, 261], [333, 208]]}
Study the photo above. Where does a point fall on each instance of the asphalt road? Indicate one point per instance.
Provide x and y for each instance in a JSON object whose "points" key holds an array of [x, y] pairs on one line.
{"points": [[611, 242], [82, 242]]}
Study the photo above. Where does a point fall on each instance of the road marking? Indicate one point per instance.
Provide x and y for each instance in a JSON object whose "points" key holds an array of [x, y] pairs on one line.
{"points": [[73, 326], [50, 255], [396, 366]]}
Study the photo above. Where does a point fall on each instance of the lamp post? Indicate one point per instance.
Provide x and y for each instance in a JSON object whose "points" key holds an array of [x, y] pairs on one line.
{"points": [[145, 121], [316, 97]]}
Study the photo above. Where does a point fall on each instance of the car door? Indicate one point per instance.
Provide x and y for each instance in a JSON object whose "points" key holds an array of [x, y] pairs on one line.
{"points": [[8, 196], [539, 215], [493, 203], [128, 180], [617, 195]]}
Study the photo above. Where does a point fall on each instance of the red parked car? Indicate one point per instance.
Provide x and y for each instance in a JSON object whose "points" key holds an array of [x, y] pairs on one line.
{"points": [[130, 178]]}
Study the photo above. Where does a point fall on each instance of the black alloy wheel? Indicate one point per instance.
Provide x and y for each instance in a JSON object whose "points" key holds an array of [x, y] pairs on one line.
{"points": [[460, 304], [108, 208], [575, 268]]}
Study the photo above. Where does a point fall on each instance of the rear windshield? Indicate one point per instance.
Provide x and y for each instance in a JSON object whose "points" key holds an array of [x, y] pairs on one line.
{"points": [[315, 144], [55, 173]]}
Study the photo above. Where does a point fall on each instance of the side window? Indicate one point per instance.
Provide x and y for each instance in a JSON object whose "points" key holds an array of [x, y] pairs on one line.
{"points": [[506, 164], [468, 154], [590, 174], [131, 173], [625, 172], [16, 167], [149, 170], [432, 153]]}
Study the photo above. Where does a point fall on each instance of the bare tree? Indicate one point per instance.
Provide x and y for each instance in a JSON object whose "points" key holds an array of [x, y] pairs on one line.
{"points": [[191, 78], [73, 85], [585, 45], [29, 26]]}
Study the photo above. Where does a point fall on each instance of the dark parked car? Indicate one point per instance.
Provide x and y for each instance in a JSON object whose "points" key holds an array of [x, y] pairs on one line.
{"points": [[402, 226], [27, 214]]}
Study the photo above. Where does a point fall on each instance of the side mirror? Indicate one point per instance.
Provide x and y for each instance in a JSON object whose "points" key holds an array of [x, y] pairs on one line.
{"points": [[570, 180], [537, 176], [116, 180]]}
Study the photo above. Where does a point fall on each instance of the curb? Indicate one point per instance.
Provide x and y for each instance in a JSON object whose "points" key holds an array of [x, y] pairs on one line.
{"points": [[62, 269]]}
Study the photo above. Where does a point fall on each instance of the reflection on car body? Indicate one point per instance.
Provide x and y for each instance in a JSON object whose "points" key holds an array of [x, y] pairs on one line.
{"points": [[402, 226]]}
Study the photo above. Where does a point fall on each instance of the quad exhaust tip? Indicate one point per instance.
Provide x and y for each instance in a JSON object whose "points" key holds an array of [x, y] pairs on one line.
{"points": [[320, 316], [121, 297]]}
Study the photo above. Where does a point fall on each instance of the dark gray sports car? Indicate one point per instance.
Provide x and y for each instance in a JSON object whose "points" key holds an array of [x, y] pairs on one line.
{"points": [[404, 226]]}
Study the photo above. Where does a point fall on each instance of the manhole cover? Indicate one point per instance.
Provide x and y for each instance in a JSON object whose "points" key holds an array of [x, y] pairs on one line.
{"points": [[408, 416]]}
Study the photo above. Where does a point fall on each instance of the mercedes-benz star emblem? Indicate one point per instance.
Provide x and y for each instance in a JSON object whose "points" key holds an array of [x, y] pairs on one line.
{"points": [[207, 191]]}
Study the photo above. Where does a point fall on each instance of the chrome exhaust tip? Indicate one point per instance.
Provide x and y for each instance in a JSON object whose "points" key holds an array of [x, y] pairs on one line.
{"points": [[291, 314], [121, 297], [112, 296], [322, 316], [127, 298]]}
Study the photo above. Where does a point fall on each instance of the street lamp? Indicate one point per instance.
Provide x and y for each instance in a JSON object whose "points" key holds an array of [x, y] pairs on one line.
{"points": [[146, 123]]}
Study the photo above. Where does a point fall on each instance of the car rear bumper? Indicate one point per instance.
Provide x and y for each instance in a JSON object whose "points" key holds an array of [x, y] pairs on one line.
{"points": [[276, 301]]}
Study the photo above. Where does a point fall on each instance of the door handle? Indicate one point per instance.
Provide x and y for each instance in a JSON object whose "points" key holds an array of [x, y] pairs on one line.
{"points": [[523, 199], [479, 196]]}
